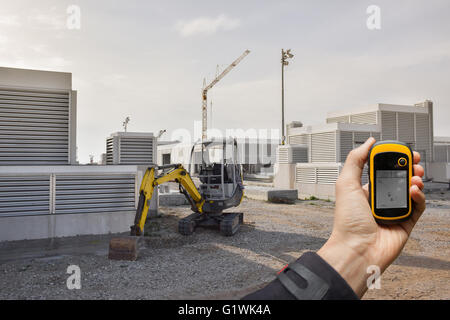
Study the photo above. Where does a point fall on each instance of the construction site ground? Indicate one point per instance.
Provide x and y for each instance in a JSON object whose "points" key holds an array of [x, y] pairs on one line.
{"points": [[208, 265]]}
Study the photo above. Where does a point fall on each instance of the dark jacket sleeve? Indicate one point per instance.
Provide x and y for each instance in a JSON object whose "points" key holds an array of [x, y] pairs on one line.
{"points": [[336, 288]]}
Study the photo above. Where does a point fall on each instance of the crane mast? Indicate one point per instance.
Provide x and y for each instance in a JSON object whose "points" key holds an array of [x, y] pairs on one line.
{"points": [[205, 93]]}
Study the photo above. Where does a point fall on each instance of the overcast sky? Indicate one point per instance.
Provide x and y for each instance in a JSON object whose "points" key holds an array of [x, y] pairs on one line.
{"points": [[147, 59]]}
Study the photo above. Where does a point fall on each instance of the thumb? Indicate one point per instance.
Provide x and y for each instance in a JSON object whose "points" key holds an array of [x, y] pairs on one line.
{"points": [[356, 159]]}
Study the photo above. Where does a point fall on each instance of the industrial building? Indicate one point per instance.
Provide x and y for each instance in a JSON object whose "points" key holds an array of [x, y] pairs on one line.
{"points": [[314, 156], [43, 192], [131, 148]]}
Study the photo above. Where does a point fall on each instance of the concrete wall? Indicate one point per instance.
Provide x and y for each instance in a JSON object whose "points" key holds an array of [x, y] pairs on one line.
{"points": [[284, 176], [321, 191], [440, 171], [50, 226]]}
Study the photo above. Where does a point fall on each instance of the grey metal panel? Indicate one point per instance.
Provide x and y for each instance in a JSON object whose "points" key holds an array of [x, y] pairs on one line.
{"points": [[364, 118], [136, 150], [440, 153], [423, 135], [346, 144], [305, 175], [91, 194], [388, 125], [327, 175], [34, 127], [323, 147], [405, 127], [22, 196], [342, 119]]}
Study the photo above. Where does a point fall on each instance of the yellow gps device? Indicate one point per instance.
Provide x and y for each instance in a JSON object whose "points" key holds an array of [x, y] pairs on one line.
{"points": [[390, 173]]}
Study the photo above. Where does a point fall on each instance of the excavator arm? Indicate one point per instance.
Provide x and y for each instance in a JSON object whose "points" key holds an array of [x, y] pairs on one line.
{"points": [[150, 181]]}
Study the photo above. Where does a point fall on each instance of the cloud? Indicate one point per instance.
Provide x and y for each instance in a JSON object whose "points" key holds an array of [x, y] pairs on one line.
{"points": [[11, 21], [206, 26], [3, 39]]}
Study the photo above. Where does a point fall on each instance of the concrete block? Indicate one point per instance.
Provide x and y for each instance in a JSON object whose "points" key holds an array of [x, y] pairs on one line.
{"points": [[282, 196], [172, 199]]}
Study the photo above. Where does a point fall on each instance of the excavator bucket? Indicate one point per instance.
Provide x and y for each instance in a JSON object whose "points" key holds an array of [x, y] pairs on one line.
{"points": [[124, 248]]}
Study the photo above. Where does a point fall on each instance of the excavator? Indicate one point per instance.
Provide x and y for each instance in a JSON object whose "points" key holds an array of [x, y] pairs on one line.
{"points": [[215, 163]]}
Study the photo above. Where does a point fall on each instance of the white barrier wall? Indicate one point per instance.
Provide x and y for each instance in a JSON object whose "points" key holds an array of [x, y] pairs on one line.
{"points": [[57, 201]]}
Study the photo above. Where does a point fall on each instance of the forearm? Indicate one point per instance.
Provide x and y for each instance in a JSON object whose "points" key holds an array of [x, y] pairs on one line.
{"points": [[337, 287], [351, 266]]}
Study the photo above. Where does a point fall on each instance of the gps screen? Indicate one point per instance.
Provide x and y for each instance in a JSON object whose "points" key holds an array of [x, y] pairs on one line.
{"points": [[391, 189]]}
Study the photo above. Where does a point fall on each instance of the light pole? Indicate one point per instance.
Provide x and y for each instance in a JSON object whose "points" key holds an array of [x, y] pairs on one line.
{"points": [[285, 55]]}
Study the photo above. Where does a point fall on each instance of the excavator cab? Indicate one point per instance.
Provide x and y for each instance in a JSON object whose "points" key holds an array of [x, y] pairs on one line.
{"points": [[215, 163], [220, 174]]}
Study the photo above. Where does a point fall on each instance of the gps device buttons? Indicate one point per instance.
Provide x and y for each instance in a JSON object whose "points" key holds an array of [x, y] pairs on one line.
{"points": [[402, 162]]}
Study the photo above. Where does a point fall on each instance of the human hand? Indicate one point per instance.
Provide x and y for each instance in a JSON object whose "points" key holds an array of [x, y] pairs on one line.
{"points": [[357, 241]]}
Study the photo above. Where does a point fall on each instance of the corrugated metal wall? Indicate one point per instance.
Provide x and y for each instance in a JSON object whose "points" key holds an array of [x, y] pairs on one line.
{"points": [[109, 151], [442, 153], [406, 127], [282, 155], [136, 150], [130, 150], [364, 118], [388, 125], [343, 119], [305, 175], [91, 194], [423, 136], [299, 139], [346, 144], [321, 174], [24, 196], [323, 147], [34, 127], [66, 194]]}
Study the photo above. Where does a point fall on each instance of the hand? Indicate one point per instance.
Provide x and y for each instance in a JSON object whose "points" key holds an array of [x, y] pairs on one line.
{"points": [[357, 241]]}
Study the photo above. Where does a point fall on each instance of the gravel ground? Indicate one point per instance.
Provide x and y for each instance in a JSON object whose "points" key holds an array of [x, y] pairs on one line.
{"points": [[208, 265]]}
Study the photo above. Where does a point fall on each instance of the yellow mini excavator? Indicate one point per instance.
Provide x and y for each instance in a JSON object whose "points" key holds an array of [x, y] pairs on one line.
{"points": [[215, 163]]}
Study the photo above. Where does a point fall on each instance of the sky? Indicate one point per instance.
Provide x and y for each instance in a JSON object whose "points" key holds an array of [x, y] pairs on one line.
{"points": [[148, 60]]}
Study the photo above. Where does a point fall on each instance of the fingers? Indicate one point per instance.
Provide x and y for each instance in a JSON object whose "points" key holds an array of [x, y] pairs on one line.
{"points": [[354, 165], [417, 181], [418, 170], [419, 207], [416, 157]]}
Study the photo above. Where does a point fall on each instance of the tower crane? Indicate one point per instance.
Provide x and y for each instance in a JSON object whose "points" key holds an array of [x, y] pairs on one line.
{"points": [[209, 86]]}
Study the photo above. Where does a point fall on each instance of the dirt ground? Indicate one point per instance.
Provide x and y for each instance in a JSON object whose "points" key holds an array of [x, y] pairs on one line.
{"points": [[207, 265]]}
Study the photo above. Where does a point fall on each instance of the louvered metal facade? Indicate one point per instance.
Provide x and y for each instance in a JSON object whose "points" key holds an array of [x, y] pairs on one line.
{"points": [[323, 173], [292, 154], [343, 119], [131, 148], [34, 127], [364, 118], [94, 193], [67, 190], [323, 147], [37, 118], [442, 153], [24, 196]]}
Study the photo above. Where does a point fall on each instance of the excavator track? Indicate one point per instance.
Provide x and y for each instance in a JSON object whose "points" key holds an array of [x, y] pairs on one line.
{"points": [[186, 226], [231, 223]]}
